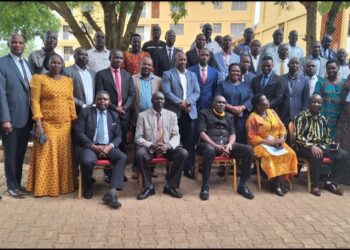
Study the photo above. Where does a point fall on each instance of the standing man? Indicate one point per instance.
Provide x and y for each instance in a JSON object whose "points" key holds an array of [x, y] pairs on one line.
{"points": [[157, 133], [296, 93], [326, 51], [193, 54], [269, 84], [15, 113], [315, 56], [281, 63], [246, 75], [344, 68], [225, 57], [311, 76], [98, 136], [294, 49], [255, 47], [313, 143], [164, 59], [181, 91], [38, 60], [83, 79], [155, 44], [271, 49], [210, 44], [98, 55], [244, 48]]}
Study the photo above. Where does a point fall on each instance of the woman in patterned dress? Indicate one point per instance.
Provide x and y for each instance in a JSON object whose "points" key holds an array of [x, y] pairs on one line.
{"points": [[52, 103]]}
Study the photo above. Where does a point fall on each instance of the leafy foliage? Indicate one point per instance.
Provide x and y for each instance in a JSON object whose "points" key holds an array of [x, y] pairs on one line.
{"points": [[178, 11], [30, 47]]}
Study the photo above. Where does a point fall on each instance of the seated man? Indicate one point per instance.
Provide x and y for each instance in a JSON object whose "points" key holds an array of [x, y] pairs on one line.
{"points": [[217, 137], [98, 135], [313, 143], [157, 133]]}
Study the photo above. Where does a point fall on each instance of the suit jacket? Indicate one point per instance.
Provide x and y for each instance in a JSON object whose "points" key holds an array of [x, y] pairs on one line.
{"points": [[248, 79], [193, 58], [146, 128], [173, 92], [331, 54], [303, 61], [295, 102], [14, 94], [85, 127], [251, 67], [78, 86], [156, 82], [161, 62], [207, 89], [223, 70], [273, 89], [105, 81]]}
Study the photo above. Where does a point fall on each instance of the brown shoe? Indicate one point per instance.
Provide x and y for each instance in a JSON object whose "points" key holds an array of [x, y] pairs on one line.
{"points": [[315, 191], [333, 188]]}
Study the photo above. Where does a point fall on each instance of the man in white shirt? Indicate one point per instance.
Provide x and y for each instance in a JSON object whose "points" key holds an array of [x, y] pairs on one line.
{"points": [[210, 44], [294, 49], [83, 78], [311, 76], [255, 47], [99, 55], [281, 64]]}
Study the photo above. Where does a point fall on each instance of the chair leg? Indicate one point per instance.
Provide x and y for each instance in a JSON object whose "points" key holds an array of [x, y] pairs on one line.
{"points": [[308, 178], [80, 183], [234, 175], [258, 175], [196, 170], [139, 179], [226, 169]]}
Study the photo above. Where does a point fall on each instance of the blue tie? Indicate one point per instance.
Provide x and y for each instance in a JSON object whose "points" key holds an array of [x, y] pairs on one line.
{"points": [[100, 129], [263, 83]]}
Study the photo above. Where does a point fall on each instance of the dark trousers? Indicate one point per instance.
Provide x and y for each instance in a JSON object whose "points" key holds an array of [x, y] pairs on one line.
{"points": [[15, 146], [339, 165], [88, 159], [178, 156], [187, 136], [242, 153]]}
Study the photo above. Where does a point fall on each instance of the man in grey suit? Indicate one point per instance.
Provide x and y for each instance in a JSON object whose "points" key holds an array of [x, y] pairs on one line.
{"points": [[181, 90], [83, 79], [15, 114], [316, 57], [157, 133]]}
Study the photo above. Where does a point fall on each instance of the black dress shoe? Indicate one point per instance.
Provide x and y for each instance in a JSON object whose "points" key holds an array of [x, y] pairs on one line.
{"points": [[189, 174], [279, 191], [245, 192], [87, 192], [111, 200], [333, 188], [125, 179], [204, 195], [107, 179], [15, 193], [93, 180], [315, 191], [172, 192], [146, 193]]}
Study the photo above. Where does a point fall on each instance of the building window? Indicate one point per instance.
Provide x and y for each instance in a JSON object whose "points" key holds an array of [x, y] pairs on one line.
{"points": [[178, 28], [237, 28], [218, 5], [239, 6], [141, 31], [68, 53], [66, 30], [216, 27]]}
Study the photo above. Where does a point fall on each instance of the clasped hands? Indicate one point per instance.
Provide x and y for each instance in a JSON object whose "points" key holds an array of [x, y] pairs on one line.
{"points": [[160, 148], [236, 110], [185, 107], [224, 149], [101, 150], [121, 110]]}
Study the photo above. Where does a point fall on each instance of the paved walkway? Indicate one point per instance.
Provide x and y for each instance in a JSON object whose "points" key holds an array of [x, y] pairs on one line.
{"points": [[226, 220]]}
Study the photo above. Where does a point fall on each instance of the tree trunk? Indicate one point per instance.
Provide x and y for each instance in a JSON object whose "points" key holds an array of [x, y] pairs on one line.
{"points": [[331, 17], [311, 15], [65, 12], [110, 21]]}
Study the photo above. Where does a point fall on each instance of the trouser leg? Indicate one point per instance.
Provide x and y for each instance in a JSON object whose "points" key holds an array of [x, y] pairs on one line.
{"points": [[208, 153], [179, 157], [187, 130], [243, 154], [339, 166], [143, 156], [87, 160], [314, 163], [118, 160]]}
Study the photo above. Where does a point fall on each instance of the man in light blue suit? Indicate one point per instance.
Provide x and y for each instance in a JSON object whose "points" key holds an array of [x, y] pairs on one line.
{"points": [[15, 114], [226, 57], [181, 91]]}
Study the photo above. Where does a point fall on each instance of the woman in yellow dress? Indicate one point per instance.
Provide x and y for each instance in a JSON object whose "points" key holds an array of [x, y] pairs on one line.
{"points": [[52, 103], [265, 128]]}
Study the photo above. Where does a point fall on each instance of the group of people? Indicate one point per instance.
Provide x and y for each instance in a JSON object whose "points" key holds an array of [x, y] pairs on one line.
{"points": [[214, 100]]}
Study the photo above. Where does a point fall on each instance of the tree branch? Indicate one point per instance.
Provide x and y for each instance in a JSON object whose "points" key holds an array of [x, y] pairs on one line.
{"points": [[331, 17], [91, 21], [124, 6], [110, 21], [87, 33]]}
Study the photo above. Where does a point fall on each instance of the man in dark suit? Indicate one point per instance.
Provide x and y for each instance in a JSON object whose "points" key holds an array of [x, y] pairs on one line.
{"points": [[311, 76], [315, 56], [164, 59], [326, 51], [181, 91], [246, 75], [157, 133], [98, 135], [254, 55], [83, 79], [15, 114], [296, 93], [269, 84], [193, 54]]}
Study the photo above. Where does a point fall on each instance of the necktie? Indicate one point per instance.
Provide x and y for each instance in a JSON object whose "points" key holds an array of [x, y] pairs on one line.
{"points": [[24, 72], [118, 86], [282, 68], [169, 54], [263, 83], [100, 129], [159, 136], [204, 75]]}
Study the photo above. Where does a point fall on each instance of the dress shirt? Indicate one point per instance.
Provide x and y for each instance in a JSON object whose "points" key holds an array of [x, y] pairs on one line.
{"points": [[268, 78], [106, 136], [87, 85], [255, 62], [270, 49], [183, 81], [277, 66], [18, 64], [172, 51], [98, 60], [312, 83], [201, 68], [344, 71], [295, 51], [317, 61], [227, 57], [212, 46], [145, 92]]}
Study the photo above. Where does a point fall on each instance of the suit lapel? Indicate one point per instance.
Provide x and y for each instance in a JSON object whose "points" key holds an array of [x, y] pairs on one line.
{"points": [[189, 82], [14, 66], [109, 125], [80, 81], [94, 117], [111, 79], [151, 121]]}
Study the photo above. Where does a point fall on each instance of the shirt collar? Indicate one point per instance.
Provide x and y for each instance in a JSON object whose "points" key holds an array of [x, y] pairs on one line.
{"points": [[98, 110], [16, 58], [113, 69], [180, 72], [155, 112], [103, 51], [201, 67], [150, 77], [269, 74], [80, 69], [167, 47]]}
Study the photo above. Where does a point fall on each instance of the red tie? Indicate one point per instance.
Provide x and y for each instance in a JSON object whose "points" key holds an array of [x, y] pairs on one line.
{"points": [[118, 86], [204, 75]]}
